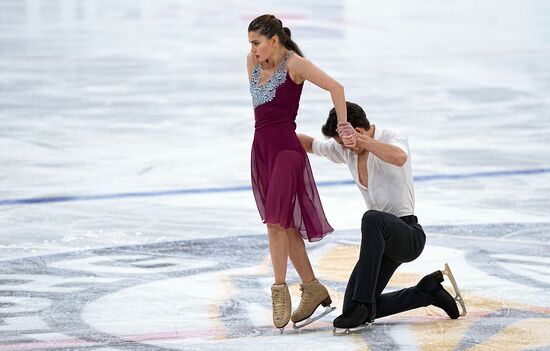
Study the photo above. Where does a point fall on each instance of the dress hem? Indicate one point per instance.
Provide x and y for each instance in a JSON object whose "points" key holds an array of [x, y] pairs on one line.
{"points": [[303, 234]]}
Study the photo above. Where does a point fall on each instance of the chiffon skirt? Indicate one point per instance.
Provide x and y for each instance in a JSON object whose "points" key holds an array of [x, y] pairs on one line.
{"points": [[284, 187]]}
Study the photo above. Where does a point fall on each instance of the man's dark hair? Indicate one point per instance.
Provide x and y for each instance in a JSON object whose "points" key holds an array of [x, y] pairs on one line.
{"points": [[356, 116]]}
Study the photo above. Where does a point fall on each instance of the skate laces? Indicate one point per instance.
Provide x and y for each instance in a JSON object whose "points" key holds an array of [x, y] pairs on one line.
{"points": [[306, 296], [278, 303]]}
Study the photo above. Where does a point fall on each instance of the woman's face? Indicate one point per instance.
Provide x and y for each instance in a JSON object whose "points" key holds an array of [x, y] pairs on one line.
{"points": [[261, 47]]}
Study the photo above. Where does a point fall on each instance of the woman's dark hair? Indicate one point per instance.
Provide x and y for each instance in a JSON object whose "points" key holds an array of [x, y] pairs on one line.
{"points": [[268, 26], [356, 116]]}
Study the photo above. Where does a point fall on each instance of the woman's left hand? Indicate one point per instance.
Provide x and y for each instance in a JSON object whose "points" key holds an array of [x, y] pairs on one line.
{"points": [[348, 134]]}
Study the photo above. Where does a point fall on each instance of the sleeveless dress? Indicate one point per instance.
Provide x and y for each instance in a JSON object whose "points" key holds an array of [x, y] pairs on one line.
{"points": [[282, 181]]}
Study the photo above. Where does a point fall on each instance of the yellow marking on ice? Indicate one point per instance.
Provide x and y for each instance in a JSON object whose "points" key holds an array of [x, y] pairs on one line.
{"points": [[484, 305], [443, 334], [359, 340], [265, 266], [526, 334], [338, 263], [446, 334], [404, 280], [214, 307]]}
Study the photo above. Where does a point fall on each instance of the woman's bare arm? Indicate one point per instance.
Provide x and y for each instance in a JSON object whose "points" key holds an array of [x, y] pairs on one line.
{"points": [[303, 69]]}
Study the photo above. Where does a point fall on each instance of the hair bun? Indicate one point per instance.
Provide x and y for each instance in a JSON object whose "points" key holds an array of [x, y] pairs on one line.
{"points": [[287, 31]]}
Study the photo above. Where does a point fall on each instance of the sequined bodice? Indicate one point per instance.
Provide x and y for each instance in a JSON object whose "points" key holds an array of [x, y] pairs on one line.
{"points": [[276, 102], [265, 93]]}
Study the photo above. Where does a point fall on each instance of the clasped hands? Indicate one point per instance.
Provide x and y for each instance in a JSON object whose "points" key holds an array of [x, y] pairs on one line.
{"points": [[348, 135]]}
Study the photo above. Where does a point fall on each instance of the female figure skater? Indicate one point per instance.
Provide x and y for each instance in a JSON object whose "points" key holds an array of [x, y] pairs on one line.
{"points": [[282, 181]]}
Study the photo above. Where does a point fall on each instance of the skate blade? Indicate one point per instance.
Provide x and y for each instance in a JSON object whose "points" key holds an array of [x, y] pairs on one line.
{"points": [[458, 297], [310, 320], [348, 331]]}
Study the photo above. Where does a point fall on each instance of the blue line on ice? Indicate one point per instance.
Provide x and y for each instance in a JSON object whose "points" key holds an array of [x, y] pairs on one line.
{"points": [[424, 178]]}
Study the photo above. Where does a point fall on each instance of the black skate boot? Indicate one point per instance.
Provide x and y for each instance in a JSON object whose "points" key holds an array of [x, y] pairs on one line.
{"points": [[439, 297], [358, 315], [430, 282]]}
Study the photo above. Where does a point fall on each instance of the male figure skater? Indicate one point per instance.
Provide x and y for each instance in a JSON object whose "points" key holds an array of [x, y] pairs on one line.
{"points": [[379, 161]]}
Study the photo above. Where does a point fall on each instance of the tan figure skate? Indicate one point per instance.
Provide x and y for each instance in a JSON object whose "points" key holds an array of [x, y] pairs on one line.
{"points": [[282, 305], [313, 295]]}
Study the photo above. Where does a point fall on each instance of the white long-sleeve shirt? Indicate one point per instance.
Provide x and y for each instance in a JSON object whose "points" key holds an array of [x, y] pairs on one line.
{"points": [[390, 188]]}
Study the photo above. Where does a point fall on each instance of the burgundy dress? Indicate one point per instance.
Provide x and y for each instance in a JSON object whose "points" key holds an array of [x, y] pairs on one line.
{"points": [[282, 180]]}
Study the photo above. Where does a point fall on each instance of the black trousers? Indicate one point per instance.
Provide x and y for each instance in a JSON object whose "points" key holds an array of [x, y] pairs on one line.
{"points": [[387, 241]]}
